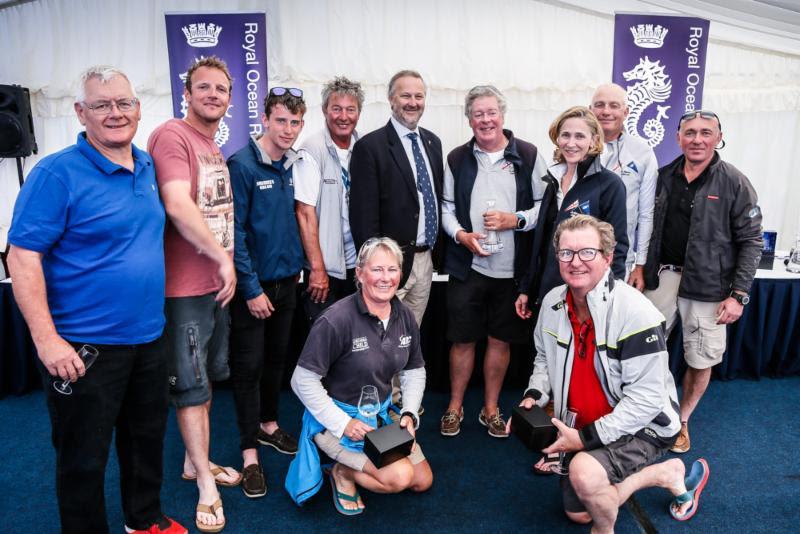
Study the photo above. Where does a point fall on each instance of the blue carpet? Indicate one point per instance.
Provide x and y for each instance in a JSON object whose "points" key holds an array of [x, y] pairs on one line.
{"points": [[747, 430]]}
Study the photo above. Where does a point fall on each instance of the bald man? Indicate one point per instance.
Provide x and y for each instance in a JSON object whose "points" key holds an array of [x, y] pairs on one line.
{"points": [[632, 159]]}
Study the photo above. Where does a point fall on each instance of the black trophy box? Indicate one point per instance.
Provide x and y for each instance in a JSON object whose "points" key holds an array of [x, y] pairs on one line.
{"points": [[387, 444], [533, 427]]}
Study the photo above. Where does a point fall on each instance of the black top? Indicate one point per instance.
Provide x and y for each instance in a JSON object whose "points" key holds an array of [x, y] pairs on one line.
{"points": [[349, 348], [679, 215]]}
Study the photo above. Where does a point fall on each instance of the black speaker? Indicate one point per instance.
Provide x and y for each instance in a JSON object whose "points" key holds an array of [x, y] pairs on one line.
{"points": [[16, 124]]}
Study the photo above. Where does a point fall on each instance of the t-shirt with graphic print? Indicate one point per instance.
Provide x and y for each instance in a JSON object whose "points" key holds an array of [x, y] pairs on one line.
{"points": [[180, 152]]}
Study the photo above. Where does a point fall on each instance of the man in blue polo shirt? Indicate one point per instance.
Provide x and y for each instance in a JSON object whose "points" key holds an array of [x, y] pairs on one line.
{"points": [[268, 257], [87, 262]]}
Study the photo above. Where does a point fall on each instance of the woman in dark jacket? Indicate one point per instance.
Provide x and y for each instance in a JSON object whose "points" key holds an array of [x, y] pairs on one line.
{"points": [[576, 184]]}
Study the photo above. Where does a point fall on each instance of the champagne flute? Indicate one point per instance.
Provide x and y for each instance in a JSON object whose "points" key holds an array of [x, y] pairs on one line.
{"points": [[369, 404], [561, 468], [88, 354]]}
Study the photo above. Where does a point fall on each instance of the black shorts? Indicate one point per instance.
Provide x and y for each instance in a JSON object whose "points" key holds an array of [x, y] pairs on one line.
{"points": [[481, 306], [620, 459]]}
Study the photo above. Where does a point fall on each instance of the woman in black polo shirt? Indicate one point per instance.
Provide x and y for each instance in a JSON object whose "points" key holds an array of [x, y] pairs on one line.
{"points": [[363, 339]]}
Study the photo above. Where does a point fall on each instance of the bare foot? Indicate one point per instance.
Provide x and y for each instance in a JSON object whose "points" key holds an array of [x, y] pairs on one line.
{"points": [[676, 485], [209, 496], [222, 475], [347, 486]]}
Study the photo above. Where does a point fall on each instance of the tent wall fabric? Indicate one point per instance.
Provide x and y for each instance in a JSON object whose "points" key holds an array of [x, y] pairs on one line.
{"points": [[544, 55]]}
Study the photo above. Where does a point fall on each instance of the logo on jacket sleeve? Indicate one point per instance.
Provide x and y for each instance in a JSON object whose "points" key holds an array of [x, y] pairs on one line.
{"points": [[360, 344]]}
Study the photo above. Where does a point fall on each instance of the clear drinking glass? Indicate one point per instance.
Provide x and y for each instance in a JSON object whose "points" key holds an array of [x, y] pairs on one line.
{"points": [[369, 404], [492, 243], [88, 354], [561, 468]]}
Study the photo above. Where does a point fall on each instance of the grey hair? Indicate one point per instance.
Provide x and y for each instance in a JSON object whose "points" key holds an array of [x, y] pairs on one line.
{"points": [[403, 74], [577, 222], [372, 245], [484, 90], [104, 73], [341, 85]]}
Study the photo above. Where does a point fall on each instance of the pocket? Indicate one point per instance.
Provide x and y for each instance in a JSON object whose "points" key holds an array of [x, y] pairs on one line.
{"points": [[185, 365]]}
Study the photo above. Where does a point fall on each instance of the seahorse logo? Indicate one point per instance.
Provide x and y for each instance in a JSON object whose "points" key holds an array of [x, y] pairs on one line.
{"points": [[653, 87]]}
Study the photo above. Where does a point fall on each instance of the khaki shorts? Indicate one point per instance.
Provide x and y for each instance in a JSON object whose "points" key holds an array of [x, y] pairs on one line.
{"points": [[703, 339], [329, 444]]}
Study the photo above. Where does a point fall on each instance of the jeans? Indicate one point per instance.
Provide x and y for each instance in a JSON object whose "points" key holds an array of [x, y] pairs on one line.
{"points": [[125, 389], [258, 356]]}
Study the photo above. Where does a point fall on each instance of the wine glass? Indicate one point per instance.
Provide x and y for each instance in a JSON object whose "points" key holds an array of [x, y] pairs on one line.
{"points": [[561, 468], [88, 354], [369, 404]]}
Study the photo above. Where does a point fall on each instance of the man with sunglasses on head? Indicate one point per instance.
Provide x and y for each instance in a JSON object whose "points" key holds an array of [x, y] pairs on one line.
{"points": [[268, 257], [704, 251], [198, 248], [87, 261], [632, 159], [600, 355], [322, 198]]}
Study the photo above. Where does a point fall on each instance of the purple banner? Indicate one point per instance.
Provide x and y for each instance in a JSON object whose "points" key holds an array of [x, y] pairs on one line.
{"points": [[240, 39], [661, 61]]}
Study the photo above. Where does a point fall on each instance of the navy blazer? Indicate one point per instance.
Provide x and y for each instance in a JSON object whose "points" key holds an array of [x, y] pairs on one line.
{"points": [[383, 192]]}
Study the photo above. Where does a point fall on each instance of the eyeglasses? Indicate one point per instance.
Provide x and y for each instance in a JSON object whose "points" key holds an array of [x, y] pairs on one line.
{"points": [[104, 107], [689, 115], [565, 255], [491, 114], [280, 91]]}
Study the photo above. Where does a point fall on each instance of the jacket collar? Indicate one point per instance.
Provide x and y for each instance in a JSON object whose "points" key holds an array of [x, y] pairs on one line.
{"points": [[263, 158]]}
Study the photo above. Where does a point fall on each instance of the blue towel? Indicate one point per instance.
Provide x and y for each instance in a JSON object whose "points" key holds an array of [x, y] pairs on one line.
{"points": [[304, 478]]}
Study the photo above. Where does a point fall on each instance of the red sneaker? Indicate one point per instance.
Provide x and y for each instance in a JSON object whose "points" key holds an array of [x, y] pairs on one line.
{"points": [[165, 526]]}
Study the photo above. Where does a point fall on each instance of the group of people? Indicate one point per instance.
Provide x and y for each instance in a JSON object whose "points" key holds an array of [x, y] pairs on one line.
{"points": [[181, 269]]}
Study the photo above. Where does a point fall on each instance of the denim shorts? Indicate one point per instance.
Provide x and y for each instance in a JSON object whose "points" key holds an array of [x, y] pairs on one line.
{"points": [[197, 339], [620, 459]]}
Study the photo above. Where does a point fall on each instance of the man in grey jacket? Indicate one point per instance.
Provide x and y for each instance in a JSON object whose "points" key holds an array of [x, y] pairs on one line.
{"points": [[601, 356], [322, 198], [703, 253]]}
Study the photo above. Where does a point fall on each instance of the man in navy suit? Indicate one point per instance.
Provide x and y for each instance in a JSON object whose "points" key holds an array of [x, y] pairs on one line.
{"points": [[396, 183]]}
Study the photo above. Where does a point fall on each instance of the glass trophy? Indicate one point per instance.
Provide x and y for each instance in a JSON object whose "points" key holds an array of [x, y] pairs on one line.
{"points": [[369, 404], [793, 266], [88, 354], [492, 243], [562, 468]]}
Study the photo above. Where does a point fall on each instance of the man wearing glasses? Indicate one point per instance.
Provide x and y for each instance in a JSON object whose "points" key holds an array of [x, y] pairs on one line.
{"points": [[268, 257], [87, 261], [322, 195], [703, 253], [601, 356], [198, 248], [632, 159], [493, 167]]}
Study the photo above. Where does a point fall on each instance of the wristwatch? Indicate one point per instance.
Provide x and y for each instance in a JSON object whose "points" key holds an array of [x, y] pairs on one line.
{"points": [[741, 299], [520, 222]]}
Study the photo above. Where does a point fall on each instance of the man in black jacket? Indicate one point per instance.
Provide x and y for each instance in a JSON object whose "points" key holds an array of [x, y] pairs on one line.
{"points": [[396, 180], [703, 253]]}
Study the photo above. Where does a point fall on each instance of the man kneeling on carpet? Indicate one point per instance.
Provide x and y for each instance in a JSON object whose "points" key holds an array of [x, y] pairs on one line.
{"points": [[363, 339], [601, 354]]}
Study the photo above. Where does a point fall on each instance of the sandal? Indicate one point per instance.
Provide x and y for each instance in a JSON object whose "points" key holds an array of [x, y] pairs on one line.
{"points": [[345, 497], [211, 510], [216, 471], [544, 470], [695, 483]]}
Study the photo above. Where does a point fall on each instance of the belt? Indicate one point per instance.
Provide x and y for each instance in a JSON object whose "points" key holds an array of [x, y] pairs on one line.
{"points": [[667, 267], [275, 284], [421, 248]]}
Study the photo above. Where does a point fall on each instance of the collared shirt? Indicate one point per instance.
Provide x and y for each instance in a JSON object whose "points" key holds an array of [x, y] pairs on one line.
{"points": [[403, 132], [677, 222], [586, 396], [349, 348], [100, 230]]}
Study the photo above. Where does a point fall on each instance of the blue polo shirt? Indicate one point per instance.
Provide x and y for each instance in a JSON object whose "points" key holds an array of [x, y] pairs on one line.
{"points": [[266, 238], [100, 230]]}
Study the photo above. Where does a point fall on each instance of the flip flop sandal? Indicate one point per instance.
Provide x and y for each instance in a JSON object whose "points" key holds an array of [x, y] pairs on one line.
{"points": [[544, 470], [695, 483], [219, 470], [345, 497], [211, 510]]}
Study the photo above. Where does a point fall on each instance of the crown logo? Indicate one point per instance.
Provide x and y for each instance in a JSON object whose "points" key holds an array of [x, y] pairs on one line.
{"points": [[649, 36], [202, 35]]}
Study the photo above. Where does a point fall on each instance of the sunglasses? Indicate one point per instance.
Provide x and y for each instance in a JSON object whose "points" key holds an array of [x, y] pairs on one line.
{"points": [[280, 91], [582, 335], [689, 115]]}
